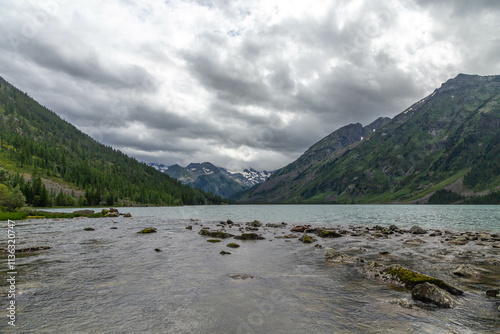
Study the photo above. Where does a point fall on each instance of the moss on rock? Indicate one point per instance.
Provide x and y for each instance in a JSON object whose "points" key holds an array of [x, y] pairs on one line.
{"points": [[233, 245], [148, 230], [249, 236], [328, 234], [410, 279]]}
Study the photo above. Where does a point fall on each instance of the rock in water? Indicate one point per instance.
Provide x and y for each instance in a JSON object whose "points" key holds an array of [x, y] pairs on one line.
{"points": [[465, 271], [249, 236], [417, 230], [215, 234], [328, 234], [493, 293], [429, 293], [148, 230], [334, 255], [307, 239]]}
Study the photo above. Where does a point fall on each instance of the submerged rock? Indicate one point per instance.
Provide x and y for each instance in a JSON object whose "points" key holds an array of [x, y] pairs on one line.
{"points": [[465, 271], [493, 293], [241, 276], [157, 250], [224, 253], [415, 241], [28, 249], [334, 255], [251, 228], [430, 293], [213, 240], [148, 230], [249, 236], [288, 236], [233, 245], [89, 229], [189, 227]]}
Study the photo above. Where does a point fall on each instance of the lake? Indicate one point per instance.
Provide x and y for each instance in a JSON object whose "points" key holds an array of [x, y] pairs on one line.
{"points": [[112, 280]]}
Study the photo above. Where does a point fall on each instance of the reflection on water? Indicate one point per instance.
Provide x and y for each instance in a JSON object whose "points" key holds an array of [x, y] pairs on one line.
{"points": [[113, 281]]}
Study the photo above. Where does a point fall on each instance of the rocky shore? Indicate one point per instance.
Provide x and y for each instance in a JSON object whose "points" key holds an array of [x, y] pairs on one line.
{"points": [[437, 268]]}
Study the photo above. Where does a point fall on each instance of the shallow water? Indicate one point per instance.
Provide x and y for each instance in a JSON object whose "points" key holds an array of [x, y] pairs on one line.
{"points": [[113, 281]]}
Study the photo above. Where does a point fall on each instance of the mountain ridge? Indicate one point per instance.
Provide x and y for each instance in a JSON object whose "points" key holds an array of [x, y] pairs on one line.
{"points": [[448, 136]]}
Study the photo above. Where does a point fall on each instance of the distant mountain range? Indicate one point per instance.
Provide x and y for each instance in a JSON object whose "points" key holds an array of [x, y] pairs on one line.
{"points": [[210, 178], [443, 149]]}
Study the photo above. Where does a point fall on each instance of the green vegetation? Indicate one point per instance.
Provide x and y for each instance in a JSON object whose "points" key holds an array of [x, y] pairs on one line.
{"points": [[411, 278], [444, 197], [449, 138], [38, 148]]}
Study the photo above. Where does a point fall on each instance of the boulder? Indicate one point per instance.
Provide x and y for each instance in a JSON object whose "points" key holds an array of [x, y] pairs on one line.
{"points": [[328, 234], [249, 236], [251, 228], [255, 223], [402, 276], [89, 229], [224, 253], [113, 210], [127, 215], [465, 271], [213, 240], [189, 227], [430, 293], [113, 214], [300, 228], [307, 239], [157, 250], [417, 230], [233, 245]]}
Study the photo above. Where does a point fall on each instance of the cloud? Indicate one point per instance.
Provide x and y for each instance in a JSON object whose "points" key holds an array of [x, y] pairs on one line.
{"points": [[238, 83]]}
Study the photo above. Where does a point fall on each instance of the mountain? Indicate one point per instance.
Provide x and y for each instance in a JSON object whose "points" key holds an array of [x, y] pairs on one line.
{"points": [[210, 178], [52, 162], [446, 143]]}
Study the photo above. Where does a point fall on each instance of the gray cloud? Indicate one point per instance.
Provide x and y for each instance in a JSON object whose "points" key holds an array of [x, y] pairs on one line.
{"points": [[238, 83]]}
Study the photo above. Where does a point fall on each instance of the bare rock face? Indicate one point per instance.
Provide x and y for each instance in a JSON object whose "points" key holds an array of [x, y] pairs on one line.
{"points": [[429, 293]]}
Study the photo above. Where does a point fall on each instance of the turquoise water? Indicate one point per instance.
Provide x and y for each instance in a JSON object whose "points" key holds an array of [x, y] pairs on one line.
{"points": [[454, 217]]}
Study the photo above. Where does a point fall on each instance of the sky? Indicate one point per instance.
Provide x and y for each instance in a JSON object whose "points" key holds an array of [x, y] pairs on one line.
{"points": [[250, 83]]}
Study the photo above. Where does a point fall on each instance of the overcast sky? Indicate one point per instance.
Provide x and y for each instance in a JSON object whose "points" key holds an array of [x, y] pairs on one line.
{"points": [[238, 83]]}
